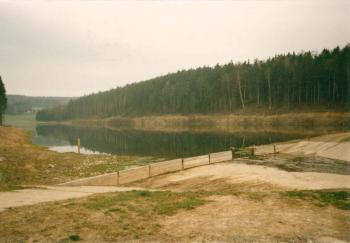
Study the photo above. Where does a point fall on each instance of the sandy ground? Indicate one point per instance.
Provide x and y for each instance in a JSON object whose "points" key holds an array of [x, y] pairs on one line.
{"points": [[51, 193], [233, 173], [238, 219], [334, 146], [239, 173]]}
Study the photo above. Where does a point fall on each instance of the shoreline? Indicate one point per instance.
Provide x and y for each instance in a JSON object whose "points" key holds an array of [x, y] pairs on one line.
{"points": [[325, 122]]}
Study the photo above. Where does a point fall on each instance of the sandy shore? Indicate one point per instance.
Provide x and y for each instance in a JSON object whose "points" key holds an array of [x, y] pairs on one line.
{"points": [[334, 146]]}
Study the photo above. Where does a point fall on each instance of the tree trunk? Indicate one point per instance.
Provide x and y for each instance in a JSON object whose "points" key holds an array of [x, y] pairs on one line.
{"points": [[329, 87], [348, 82], [244, 89], [240, 89], [306, 95], [258, 95], [318, 92], [299, 93], [314, 94], [269, 86], [333, 98], [229, 94], [288, 102]]}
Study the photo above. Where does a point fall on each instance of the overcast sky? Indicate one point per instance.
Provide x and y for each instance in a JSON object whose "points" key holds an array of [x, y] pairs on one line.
{"points": [[72, 48]]}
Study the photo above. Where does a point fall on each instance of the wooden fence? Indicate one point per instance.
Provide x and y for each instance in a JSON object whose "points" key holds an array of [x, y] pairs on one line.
{"points": [[153, 169]]}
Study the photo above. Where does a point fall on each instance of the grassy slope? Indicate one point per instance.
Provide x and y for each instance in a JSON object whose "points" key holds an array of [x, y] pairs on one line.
{"points": [[23, 163]]}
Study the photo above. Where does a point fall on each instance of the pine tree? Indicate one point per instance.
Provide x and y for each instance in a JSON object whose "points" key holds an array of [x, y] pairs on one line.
{"points": [[3, 100]]}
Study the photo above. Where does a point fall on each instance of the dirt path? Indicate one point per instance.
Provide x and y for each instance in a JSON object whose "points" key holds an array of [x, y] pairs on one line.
{"points": [[52, 193]]}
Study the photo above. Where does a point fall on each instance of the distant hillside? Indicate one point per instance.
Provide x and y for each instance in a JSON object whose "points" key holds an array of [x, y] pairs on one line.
{"points": [[19, 104], [304, 81]]}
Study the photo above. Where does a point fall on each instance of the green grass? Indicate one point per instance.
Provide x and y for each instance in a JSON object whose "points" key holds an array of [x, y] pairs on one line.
{"points": [[74, 237], [339, 199]]}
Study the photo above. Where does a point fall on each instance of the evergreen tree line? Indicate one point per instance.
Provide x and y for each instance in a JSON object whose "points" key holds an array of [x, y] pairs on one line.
{"points": [[285, 82], [3, 100]]}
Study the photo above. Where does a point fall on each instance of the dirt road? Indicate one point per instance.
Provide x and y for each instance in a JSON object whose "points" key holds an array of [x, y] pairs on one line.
{"points": [[51, 193]]}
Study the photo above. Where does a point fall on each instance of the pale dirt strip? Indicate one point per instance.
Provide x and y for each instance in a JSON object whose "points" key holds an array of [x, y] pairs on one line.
{"points": [[333, 146], [240, 173], [53, 193]]}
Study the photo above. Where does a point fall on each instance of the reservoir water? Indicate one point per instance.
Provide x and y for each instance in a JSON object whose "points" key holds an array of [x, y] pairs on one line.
{"points": [[159, 144]]}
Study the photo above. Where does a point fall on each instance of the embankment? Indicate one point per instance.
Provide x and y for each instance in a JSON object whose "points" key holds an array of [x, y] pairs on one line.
{"points": [[333, 146], [326, 121]]}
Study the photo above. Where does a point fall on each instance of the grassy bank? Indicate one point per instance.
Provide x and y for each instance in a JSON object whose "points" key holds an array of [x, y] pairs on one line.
{"points": [[107, 217], [323, 121], [23, 163]]}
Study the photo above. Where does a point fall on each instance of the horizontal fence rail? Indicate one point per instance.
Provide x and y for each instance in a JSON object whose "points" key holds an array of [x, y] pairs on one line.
{"points": [[196, 161], [220, 157], [153, 169], [166, 167], [110, 179], [135, 174]]}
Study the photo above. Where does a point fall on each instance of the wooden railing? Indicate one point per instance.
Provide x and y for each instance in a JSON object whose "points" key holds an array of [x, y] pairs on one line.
{"points": [[139, 173]]}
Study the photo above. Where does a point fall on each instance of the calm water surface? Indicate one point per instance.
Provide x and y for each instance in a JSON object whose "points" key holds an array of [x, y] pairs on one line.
{"points": [[63, 138]]}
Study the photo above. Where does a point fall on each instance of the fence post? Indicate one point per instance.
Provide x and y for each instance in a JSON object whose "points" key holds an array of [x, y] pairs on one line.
{"points": [[182, 162], [233, 152], [253, 150], [209, 158], [117, 178], [78, 144], [274, 149], [149, 170]]}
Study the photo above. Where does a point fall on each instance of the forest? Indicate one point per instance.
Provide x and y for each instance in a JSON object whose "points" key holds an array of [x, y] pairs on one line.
{"points": [[19, 104], [283, 83]]}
